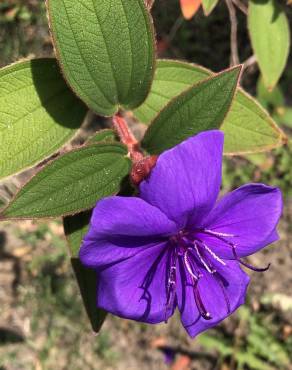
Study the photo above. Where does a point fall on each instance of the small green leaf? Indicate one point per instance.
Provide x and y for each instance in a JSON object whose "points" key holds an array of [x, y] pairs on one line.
{"points": [[202, 107], [72, 183], [266, 97], [105, 136], [171, 79], [209, 5], [248, 128], [270, 38], [38, 113], [75, 228], [284, 116], [106, 50], [87, 281]]}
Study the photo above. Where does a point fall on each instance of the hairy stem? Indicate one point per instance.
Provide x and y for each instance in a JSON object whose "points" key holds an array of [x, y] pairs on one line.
{"points": [[127, 138], [142, 166]]}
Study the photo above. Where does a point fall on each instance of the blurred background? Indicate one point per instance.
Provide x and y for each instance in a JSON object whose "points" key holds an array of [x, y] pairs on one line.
{"points": [[42, 321]]}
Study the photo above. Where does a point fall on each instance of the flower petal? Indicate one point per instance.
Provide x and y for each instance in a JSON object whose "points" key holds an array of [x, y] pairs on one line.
{"points": [[121, 227], [212, 296], [137, 287], [186, 180], [250, 213]]}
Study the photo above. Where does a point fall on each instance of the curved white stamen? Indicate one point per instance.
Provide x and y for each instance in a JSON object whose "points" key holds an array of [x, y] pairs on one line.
{"points": [[188, 266], [202, 259], [214, 255], [219, 234]]}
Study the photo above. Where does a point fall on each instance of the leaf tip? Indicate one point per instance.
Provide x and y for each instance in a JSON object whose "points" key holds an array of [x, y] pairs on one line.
{"points": [[189, 8]]}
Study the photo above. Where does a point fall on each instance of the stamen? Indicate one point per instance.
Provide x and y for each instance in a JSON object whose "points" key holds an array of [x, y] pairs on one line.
{"points": [[171, 284], [253, 268], [188, 265], [233, 246], [201, 258], [195, 279], [215, 233], [214, 255], [203, 312]]}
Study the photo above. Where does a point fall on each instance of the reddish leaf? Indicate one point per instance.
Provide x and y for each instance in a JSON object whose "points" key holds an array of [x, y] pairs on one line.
{"points": [[190, 7]]}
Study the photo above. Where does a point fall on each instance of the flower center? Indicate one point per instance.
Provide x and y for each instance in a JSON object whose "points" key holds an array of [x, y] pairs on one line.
{"points": [[198, 259]]}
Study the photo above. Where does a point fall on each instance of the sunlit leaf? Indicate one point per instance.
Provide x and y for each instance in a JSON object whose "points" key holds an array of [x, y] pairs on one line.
{"points": [[38, 113], [105, 49], [270, 38], [248, 128], [201, 107], [72, 183], [209, 5]]}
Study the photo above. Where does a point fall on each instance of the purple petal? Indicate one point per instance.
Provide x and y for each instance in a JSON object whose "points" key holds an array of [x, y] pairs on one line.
{"points": [[120, 228], [137, 287], [251, 214], [217, 302], [186, 180]]}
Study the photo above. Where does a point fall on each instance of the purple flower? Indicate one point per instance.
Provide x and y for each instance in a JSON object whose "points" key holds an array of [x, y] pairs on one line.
{"points": [[174, 245]]}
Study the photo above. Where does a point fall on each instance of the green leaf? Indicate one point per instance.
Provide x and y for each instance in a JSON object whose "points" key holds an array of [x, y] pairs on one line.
{"points": [[189, 113], [72, 183], [270, 38], [87, 281], [248, 128], [106, 50], [105, 136], [209, 5], [171, 79], [284, 116], [75, 228], [266, 97], [218, 344], [38, 114]]}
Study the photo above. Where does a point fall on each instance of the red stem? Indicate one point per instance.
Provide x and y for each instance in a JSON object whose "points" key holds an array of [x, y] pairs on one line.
{"points": [[142, 166], [127, 138]]}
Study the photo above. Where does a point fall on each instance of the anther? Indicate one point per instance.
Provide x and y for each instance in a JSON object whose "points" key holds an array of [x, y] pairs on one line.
{"points": [[203, 312]]}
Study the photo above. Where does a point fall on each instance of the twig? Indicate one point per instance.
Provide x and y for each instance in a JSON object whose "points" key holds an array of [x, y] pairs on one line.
{"points": [[178, 23], [241, 6], [234, 58], [149, 3], [249, 62]]}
